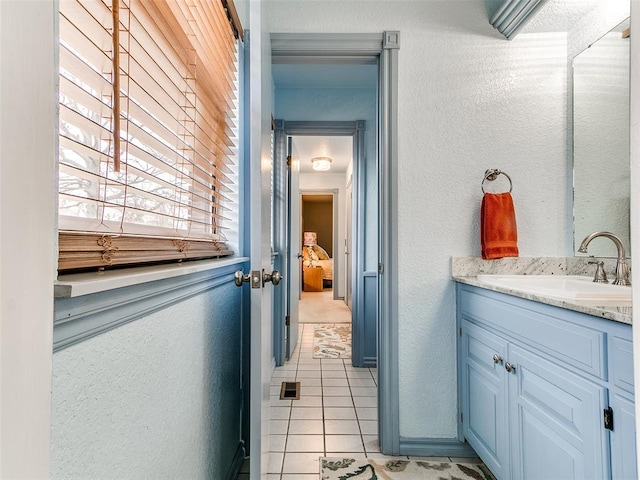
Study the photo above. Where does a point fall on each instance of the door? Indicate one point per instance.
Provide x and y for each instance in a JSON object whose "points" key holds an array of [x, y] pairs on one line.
{"points": [[484, 396], [293, 241], [623, 437], [348, 244], [258, 203], [554, 415]]}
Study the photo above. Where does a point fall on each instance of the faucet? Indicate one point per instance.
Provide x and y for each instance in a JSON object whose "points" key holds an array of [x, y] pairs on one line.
{"points": [[622, 271]]}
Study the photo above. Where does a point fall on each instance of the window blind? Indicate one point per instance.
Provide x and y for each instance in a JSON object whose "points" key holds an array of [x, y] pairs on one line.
{"points": [[147, 131]]}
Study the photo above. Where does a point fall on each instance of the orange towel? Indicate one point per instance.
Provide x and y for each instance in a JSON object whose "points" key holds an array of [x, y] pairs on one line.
{"points": [[498, 229]]}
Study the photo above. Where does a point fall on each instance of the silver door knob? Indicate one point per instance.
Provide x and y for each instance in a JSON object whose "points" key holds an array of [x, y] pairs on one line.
{"points": [[241, 278], [497, 358], [300, 255], [273, 277], [509, 367]]}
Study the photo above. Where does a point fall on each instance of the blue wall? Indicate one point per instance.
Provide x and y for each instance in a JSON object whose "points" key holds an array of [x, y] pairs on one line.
{"points": [[157, 397]]}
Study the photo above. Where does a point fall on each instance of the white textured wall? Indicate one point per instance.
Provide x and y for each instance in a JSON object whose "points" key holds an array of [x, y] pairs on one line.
{"points": [[332, 181], [157, 398], [27, 234], [468, 100]]}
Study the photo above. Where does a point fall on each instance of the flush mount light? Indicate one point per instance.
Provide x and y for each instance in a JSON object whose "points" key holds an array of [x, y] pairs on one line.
{"points": [[321, 164]]}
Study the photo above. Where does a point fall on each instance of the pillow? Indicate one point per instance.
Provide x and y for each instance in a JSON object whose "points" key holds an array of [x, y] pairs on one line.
{"points": [[321, 252]]}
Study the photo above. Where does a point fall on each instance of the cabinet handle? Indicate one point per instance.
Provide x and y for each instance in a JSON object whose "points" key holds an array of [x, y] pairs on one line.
{"points": [[509, 367], [497, 358]]}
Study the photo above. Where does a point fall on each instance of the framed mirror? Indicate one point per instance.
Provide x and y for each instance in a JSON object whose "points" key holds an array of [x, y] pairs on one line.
{"points": [[601, 141]]}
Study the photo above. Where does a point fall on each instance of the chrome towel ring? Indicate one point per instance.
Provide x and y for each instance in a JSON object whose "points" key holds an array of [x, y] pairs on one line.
{"points": [[491, 174]]}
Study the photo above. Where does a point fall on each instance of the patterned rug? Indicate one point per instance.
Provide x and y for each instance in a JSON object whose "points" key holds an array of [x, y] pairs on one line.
{"points": [[332, 341], [373, 469]]}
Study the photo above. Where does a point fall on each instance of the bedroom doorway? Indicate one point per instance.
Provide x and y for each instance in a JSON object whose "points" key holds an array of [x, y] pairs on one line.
{"points": [[318, 242], [323, 216]]}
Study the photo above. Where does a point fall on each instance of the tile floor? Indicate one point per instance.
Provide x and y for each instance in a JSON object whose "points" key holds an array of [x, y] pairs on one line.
{"points": [[336, 415]]}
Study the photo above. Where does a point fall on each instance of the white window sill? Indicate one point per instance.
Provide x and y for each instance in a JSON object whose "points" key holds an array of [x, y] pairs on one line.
{"points": [[79, 284]]}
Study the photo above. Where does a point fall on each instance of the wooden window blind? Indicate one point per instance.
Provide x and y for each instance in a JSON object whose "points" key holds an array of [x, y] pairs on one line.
{"points": [[147, 131]]}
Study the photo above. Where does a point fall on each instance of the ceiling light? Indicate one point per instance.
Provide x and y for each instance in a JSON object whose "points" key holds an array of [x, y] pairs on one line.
{"points": [[321, 164]]}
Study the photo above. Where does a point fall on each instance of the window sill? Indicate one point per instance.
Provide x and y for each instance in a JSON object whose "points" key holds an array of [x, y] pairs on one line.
{"points": [[79, 284]]}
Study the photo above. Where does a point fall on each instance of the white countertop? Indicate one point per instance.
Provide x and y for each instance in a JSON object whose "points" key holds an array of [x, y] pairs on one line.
{"points": [[618, 314], [466, 270]]}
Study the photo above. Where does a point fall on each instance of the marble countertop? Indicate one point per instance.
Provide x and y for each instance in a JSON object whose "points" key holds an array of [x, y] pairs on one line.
{"points": [[466, 269]]}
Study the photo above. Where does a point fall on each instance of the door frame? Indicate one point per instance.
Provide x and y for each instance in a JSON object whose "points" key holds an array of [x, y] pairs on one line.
{"points": [[350, 48], [356, 130]]}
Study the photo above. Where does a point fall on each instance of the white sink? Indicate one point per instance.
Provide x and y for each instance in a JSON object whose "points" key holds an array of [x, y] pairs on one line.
{"points": [[570, 288]]}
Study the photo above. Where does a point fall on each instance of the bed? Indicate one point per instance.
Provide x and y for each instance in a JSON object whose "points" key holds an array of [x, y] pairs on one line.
{"points": [[316, 256]]}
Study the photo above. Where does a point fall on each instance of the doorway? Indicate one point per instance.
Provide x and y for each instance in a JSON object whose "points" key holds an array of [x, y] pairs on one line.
{"points": [[364, 315], [382, 49]]}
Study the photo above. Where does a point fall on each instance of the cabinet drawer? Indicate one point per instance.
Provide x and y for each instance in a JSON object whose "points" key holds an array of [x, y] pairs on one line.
{"points": [[621, 363], [556, 332]]}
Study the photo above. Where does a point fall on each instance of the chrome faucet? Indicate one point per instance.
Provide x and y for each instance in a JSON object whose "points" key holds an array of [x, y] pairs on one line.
{"points": [[622, 271]]}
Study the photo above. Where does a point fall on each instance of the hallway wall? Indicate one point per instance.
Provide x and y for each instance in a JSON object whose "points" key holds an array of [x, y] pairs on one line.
{"points": [[468, 100]]}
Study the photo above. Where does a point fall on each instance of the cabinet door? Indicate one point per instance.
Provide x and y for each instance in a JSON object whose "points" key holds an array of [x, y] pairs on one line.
{"points": [[484, 395], [556, 422], [623, 438]]}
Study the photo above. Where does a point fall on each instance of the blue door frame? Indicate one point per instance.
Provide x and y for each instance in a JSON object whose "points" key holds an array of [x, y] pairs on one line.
{"points": [[384, 47]]}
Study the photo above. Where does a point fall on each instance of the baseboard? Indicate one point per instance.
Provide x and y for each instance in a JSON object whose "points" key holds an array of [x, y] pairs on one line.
{"points": [[236, 463], [370, 362], [435, 447]]}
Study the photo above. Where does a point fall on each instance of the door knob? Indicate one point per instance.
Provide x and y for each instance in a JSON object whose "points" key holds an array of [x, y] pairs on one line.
{"points": [[300, 255], [241, 278], [273, 277], [497, 358], [509, 367]]}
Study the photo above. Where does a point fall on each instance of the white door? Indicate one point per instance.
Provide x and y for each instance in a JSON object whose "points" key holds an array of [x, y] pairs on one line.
{"points": [[349, 245], [259, 171], [295, 263]]}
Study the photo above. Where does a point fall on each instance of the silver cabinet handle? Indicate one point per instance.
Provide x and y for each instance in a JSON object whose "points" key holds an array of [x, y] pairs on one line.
{"points": [[273, 277], [509, 367], [497, 358]]}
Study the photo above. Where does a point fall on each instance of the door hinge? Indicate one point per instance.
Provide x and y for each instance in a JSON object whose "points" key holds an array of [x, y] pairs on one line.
{"points": [[608, 418], [287, 321], [461, 417], [381, 268], [288, 160], [460, 331]]}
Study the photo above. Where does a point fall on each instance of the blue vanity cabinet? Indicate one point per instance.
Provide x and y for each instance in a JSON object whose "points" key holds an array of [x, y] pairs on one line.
{"points": [[534, 383]]}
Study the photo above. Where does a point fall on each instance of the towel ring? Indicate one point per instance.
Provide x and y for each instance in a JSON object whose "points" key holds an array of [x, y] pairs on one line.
{"points": [[491, 174]]}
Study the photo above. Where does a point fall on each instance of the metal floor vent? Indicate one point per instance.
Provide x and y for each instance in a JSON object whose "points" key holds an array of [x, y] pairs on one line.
{"points": [[290, 391]]}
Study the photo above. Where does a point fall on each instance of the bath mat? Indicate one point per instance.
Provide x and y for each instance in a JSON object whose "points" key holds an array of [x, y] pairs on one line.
{"points": [[332, 341], [398, 469]]}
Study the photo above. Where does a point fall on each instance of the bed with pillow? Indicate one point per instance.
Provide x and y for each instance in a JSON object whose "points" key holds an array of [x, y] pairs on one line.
{"points": [[316, 256]]}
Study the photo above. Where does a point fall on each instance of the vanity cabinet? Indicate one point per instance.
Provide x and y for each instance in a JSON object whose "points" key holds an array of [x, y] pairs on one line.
{"points": [[536, 383]]}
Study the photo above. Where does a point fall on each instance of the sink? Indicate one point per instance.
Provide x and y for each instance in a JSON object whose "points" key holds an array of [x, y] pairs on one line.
{"points": [[570, 288]]}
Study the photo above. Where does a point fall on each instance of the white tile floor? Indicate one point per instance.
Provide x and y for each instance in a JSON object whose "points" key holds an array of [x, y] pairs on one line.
{"points": [[336, 415]]}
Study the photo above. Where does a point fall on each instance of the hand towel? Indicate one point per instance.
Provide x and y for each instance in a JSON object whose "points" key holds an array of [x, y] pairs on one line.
{"points": [[498, 229]]}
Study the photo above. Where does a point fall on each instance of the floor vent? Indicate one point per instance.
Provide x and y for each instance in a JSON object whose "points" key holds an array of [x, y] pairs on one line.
{"points": [[290, 391]]}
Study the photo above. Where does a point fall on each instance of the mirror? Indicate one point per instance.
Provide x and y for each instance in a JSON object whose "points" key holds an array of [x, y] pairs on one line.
{"points": [[601, 141]]}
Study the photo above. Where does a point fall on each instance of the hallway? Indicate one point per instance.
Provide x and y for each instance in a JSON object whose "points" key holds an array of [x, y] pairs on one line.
{"points": [[336, 415]]}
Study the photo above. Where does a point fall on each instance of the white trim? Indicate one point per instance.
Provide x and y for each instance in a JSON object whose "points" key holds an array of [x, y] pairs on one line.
{"points": [[79, 284]]}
